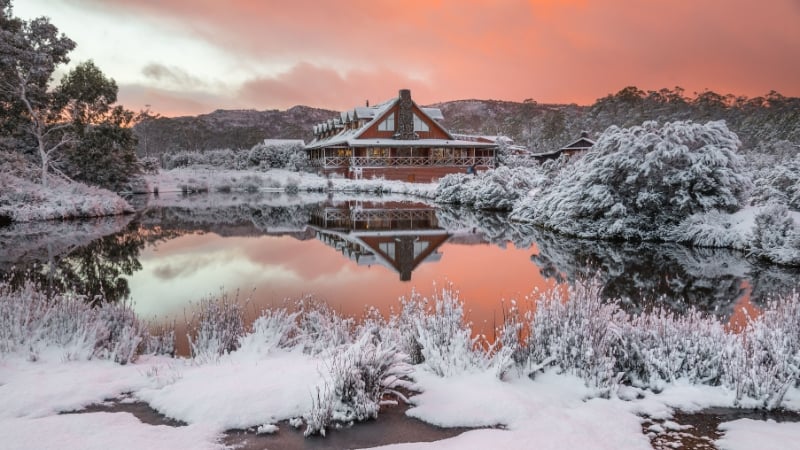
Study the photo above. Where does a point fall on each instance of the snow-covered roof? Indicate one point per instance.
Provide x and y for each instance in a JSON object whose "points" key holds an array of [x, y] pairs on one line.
{"points": [[484, 138], [284, 142], [416, 143], [371, 114], [582, 143], [433, 113]]}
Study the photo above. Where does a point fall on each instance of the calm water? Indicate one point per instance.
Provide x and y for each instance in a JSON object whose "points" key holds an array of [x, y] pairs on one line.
{"points": [[359, 252]]}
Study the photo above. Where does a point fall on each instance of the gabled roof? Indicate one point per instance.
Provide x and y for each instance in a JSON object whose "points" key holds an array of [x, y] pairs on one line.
{"points": [[581, 144], [373, 115]]}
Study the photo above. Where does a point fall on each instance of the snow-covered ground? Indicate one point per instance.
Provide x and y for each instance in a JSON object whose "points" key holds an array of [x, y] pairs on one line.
{"points": [[289, 365], [551, 412], [222, 180]]}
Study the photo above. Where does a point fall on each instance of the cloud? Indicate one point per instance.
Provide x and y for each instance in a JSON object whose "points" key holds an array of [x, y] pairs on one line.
{"points": [[308, 84], [326, 55], [172, 76], [173, 102]]}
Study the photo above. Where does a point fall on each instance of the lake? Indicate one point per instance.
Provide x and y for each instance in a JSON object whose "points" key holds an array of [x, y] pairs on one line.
{"points": [[358, 252]]}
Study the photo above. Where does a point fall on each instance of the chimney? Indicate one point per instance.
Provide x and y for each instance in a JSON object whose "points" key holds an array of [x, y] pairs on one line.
{"points": [[405, 117]]}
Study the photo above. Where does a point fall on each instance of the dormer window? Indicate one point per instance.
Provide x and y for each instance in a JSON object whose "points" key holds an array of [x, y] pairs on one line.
{"points": [[387, 124], [419, 124]]}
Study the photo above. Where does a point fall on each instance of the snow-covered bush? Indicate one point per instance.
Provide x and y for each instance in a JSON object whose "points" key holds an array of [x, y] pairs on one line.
{"points": [[768, 361], [660, 347], [711, 229], [436, 333], [578, 333], [273, 329], [321, 328], [216, 159], [511, 350], [33, 320], [776, 237], [120, 335], [363, 374], [640, 182], [160, 340], [494, 189], [25, 201], [216, 327], [778, 184], [278, 155]]}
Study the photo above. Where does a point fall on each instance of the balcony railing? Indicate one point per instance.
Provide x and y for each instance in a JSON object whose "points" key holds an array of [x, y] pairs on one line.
{"points": [[330, 162]]}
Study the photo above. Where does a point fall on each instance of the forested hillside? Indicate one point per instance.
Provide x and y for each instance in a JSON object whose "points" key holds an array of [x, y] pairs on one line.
{"points": [[769, 124], [221, 129]]}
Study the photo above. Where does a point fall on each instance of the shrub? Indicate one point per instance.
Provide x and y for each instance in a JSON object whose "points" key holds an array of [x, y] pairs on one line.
{"points": [[216, 327]]}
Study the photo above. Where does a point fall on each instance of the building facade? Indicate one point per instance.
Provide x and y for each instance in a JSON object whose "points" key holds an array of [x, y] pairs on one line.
{"points": [[397, 140]]}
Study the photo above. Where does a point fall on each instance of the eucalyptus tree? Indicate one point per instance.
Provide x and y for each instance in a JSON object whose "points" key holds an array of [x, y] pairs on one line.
{"points": [[73, 128], [30, 51]]}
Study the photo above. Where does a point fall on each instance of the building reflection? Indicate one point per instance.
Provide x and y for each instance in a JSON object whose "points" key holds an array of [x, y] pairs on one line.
{"points": [[397, 235]]}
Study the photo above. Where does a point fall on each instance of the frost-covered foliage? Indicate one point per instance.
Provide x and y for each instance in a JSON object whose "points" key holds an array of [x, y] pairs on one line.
{"points": [[661, 346], [435, 333], [779, 183], [273, 329], [494, 189], [776, 237], [25, 201], [579, 333], [33, 321], [119, 335], [767, 362], [264, 156], [360, 377], [639, 182], [278, 155], [576, 333], [220, 159], [321, 328], [712, 229], [216, 327]]}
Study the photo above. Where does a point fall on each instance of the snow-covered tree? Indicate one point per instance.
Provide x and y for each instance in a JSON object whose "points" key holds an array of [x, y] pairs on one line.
{"points": [[74, 128], [30, 51], [640, 181]]}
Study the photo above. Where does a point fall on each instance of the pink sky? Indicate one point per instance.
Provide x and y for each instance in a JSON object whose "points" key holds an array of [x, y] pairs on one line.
{"points": [[190, 57]]}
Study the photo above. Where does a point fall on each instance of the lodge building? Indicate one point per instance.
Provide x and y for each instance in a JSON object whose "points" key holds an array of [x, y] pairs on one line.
{"points": [[397, 140]]}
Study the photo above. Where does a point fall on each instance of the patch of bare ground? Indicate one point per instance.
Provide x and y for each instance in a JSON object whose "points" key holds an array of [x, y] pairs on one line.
{"points": [[700, 429]]}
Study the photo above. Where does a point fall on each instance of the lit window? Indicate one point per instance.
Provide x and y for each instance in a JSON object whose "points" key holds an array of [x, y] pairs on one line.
{"points": [[419, 124], [388, 124]]}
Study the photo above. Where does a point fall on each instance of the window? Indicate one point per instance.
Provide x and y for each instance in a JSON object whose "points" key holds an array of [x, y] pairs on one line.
{"points": [[388, 124], [419, 124], [387, 248]]}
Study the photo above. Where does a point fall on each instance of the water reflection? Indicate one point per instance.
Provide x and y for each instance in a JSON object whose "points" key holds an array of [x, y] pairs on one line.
{"points": [[360, 251], [90, 257], [643, 274], [396, 235]]}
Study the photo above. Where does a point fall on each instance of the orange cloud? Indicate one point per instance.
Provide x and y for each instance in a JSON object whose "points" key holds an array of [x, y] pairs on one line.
{"points": [[339, 53]]}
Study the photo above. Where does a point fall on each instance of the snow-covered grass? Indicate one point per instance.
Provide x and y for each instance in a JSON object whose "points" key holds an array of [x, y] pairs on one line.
{"points": [[578, 371], [33, 323], [25, 201]]}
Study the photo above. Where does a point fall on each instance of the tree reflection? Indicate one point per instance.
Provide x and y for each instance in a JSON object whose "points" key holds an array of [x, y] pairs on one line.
{"points": [[96, 269], [641, 274]]}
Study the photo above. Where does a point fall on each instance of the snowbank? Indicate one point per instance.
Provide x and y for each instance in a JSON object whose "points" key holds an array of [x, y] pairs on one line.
{"points": [[25, 201], [748, 434]]}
